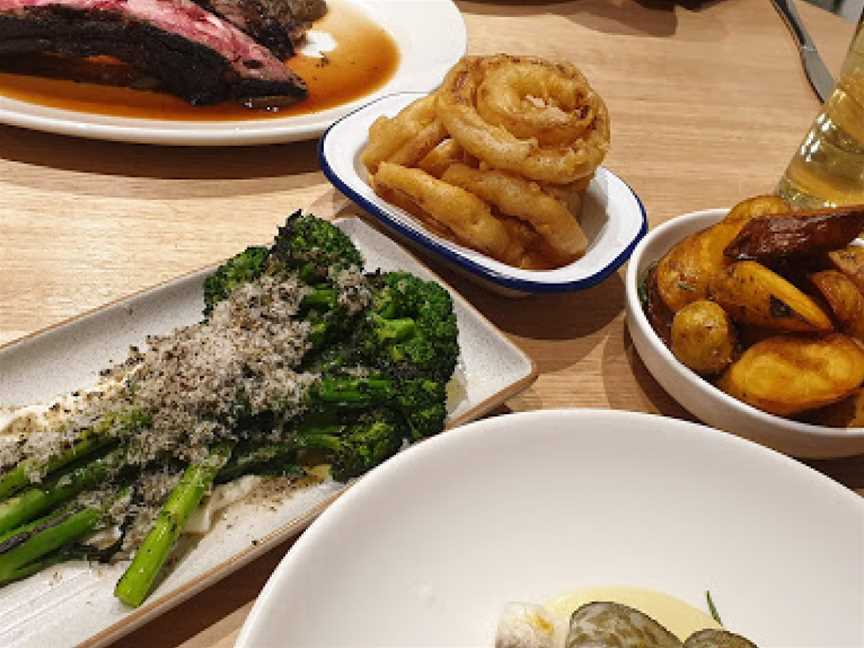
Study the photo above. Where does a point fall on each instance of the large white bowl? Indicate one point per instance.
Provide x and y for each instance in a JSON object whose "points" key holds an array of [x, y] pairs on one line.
{"points": [[426, 549], [696, 394]]}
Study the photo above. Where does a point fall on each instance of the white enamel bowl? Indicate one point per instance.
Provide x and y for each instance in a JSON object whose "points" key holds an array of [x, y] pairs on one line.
{"points": [[700, 397], [612, 215], [427, 549]]}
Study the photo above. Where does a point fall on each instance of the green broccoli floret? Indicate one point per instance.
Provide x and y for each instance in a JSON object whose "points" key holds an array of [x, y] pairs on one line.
{"points": [[305, 244], [313, 246], [371, 439], [239, 269], [423, 404], [330, 322], [410, 331]]}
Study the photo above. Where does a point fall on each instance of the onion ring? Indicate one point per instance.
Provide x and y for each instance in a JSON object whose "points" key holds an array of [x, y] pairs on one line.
{"points": [[525, 200], [416, 148], [448, 152], [459, 211], [569, 194], [388, 135], [568, 116]]}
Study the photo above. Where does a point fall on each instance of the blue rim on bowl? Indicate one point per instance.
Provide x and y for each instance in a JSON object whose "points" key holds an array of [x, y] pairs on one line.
{"points": [[421, 238]]}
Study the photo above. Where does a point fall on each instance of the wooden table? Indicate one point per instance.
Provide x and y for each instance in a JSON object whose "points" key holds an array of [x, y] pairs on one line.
{"points": [[708, 103]]}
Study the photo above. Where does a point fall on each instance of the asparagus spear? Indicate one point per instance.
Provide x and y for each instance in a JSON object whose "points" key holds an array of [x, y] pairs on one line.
{"points": [[139, 578], [54, 558], [101, 435], [35, 541], [35, 501]]}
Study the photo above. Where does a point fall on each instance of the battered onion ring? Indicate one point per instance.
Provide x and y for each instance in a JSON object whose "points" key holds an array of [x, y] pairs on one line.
{"points": [[560, 125], [388, 135], [416, 148], [439, 159], [569, 194], [526, 201], [459, 211]]}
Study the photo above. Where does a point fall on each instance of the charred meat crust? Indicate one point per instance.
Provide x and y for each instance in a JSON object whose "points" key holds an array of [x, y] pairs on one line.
{"points": [[188, 69], [279, 25]]}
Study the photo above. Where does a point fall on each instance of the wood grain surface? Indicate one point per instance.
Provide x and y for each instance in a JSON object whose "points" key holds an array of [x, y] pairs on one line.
{"points": [[708, 102]]}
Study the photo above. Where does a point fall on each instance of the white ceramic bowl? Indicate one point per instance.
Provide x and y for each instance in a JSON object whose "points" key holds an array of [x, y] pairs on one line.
{"points": [[696, 394], [426, 549], [612, 215]]}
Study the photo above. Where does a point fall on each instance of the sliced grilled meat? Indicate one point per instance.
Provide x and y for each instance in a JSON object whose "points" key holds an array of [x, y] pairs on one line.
{"points": [[280, 25], [193, 53]]}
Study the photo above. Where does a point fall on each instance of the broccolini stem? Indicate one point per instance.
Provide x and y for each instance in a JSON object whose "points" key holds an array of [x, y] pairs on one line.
{"points": [[139, 578], [35, 501], [321, 298], [278, 458], [397, 329], [354, 392]]}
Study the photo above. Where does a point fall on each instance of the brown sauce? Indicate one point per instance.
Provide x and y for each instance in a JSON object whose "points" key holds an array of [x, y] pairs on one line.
{"points": [[364, 59]]}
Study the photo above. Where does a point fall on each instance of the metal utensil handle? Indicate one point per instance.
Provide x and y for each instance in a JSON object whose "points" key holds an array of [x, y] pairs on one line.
{"points": [[793, 22]]}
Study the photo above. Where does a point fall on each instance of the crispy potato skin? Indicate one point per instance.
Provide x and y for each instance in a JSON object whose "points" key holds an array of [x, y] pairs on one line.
{"points": [[797, 234], [844, 299], [753, 294], [790, 374], [656, 310], [850, 261], [757, 206], [847, 413], [685, 273], [703, 337]]}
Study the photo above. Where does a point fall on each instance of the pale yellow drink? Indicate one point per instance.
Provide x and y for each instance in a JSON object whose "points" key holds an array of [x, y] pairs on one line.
{"points": [[828, 169]]}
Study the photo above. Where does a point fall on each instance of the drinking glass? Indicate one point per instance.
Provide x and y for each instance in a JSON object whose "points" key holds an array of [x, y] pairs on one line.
{"points": [[828, 168]]}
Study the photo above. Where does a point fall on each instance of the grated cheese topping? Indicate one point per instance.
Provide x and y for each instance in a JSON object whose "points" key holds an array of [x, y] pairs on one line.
{"points": [[354, 294], [199, 380], [195, 386]]}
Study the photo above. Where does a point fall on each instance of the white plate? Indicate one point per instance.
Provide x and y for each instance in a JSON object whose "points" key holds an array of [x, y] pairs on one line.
{"points": [[613, 216], [79, 603], [699, 396], [429, 547], [430, 35]]}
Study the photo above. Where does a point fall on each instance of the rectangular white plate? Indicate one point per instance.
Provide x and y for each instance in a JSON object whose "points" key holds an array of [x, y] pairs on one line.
{"points": [[74, 602]]}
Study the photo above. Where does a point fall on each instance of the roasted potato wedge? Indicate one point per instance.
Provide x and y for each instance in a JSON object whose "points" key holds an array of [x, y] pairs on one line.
{"points": [[703, 337], [790, 374], [797, 234], [656, 311], [757, 206], [684, 274], [753, 294], [844, 299], [850, 261], [847, 413]]}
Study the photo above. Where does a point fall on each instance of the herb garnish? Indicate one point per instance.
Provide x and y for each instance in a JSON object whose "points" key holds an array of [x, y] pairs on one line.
{"points": [[713, 610]]}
